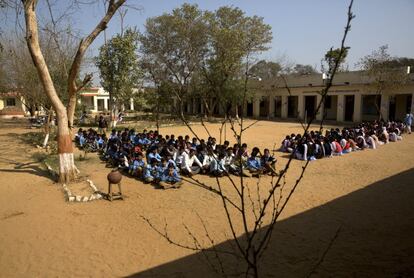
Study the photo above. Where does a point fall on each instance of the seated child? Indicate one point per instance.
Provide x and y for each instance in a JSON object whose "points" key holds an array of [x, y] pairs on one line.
{"points": [[346, 146], [208, 158], [150, 171], [302, 151], [154, 155], [170, 178], [187, 166], [217, 167], [161, 168], [268, 162], [253, 163], [286, 145], [137, 166], [336, 147]]}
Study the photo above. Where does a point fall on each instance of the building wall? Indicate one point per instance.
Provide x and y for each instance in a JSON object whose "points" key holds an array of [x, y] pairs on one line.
{"points": [[331, 109], [17, 110]]}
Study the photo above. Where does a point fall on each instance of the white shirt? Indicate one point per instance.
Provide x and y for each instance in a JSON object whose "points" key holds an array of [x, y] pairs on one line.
{"points": [[189, 161]]}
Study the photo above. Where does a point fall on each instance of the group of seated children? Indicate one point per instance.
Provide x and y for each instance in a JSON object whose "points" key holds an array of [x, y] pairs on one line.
{"points": [[314, 145], [161, 160]]}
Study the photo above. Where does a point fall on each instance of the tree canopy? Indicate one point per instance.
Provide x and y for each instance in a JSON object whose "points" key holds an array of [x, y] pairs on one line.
{"points": [[300, 69], [266, 69], [119, 67], [202, 53]]}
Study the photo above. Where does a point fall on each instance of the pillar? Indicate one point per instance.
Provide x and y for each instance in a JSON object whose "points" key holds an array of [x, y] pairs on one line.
{"points": [[256, 108], [357, 108], [321, 111], [106, 102], [271, 101], [284, 109], [95, 103], [385, 104], [301, 107], [340, 108], [202, 108], [195, 108], [131, 104]]}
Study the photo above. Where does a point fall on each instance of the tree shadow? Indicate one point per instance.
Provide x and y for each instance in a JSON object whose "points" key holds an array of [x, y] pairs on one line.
{"points": [[31, 167], [367, 233]]}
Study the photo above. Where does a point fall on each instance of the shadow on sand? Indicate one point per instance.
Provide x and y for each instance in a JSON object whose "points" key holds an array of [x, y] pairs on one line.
{"points": [[32, 168], [375, 239]]}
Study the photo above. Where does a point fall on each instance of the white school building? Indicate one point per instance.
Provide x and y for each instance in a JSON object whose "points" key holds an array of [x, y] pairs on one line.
{"points": [[96, 100], [352, 98]]}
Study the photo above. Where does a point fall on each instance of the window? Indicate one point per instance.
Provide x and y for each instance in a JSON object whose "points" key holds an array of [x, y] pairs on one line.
{"points": [[11, 102]]}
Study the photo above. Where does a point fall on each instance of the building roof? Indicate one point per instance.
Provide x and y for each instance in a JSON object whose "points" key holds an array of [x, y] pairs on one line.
{"points": [[10, 94], [316, 80]]}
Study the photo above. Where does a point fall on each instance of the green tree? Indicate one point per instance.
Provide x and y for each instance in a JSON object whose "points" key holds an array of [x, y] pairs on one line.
{"points": [[332, 56], [234, 39], [119, 68], [266, 69], [176, 43], [300, 69]]}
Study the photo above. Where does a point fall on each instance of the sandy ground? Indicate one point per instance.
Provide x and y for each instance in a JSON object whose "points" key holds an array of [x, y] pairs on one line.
{"points": [[361, 205]]}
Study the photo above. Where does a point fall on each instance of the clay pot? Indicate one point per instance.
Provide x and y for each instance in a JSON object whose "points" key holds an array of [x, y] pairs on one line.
{"points": [[114, 176]]}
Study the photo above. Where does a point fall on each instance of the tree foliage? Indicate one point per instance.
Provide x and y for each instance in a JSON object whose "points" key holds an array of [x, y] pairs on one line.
{"points": [[118, 66], [266, 69], [201, 53], [175, 43], [300, 69], [332, 56], [384, 70]]}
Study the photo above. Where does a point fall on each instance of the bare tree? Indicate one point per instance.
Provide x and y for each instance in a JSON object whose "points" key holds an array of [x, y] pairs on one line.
{"points": [[255, 212], [65, 116], [385, 73]]}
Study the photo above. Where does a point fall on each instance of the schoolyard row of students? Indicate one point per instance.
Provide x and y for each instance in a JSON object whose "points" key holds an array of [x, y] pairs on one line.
{"points": [[157, 159], [369, 135]]}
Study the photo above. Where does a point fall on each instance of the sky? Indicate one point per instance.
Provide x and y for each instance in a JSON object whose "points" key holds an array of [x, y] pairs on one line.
{"points": [[303, 30]]}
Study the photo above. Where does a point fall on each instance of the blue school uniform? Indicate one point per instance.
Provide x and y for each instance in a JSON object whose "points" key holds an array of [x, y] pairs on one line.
{"points": [[172, 179], [82, 140], [137, 164], [156, 156], [253, 163], [149, 171]]}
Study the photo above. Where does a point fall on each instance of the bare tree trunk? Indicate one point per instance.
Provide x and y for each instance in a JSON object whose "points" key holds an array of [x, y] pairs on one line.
{"points": [[67, 168], [32, 110], [158, 115], [71, 111]]}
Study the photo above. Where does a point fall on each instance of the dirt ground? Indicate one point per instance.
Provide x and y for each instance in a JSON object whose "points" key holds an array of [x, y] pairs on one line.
{"points": [[358, 209]]}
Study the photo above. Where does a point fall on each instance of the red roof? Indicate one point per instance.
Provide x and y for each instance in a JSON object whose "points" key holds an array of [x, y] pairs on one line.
{"points": [[10, 94]]}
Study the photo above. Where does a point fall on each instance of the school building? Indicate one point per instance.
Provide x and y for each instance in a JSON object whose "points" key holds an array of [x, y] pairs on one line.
{"points": [[11, 105], [96, 100], [353, 97]]}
